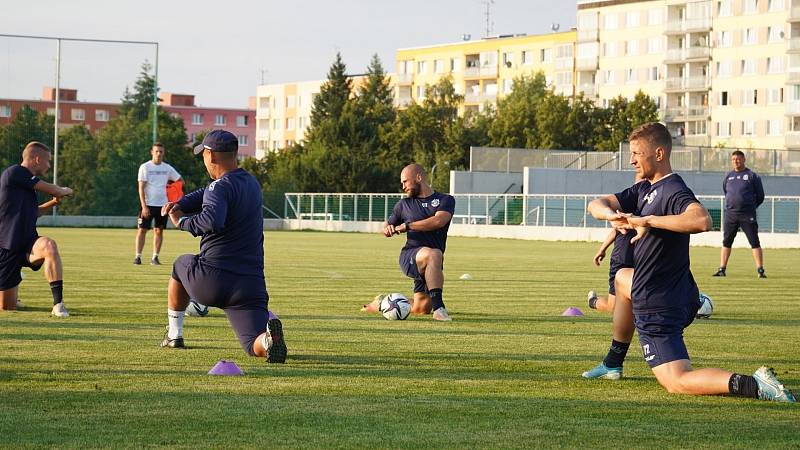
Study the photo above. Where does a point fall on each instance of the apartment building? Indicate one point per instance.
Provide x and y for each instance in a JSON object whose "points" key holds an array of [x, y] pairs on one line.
{"points": [[723, 72], [71, 112], [483, 70]]}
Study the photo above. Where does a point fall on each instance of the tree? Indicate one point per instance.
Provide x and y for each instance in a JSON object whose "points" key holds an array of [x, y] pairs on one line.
{"points": [[28, 125], [78, 170], [139, 103], [516, 124], [552, 115]]}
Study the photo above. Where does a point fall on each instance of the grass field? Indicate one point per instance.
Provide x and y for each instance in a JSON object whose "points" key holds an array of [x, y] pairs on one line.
{"points": [[504, 374]]}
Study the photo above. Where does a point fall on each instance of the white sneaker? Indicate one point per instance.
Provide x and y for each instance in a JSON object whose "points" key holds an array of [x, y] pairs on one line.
{"points": [[441, 315], [20, 305], [59, 310]]}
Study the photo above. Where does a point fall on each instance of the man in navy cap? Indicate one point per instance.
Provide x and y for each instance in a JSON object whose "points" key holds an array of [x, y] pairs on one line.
{"points": [[229, 271], [744, 193]]}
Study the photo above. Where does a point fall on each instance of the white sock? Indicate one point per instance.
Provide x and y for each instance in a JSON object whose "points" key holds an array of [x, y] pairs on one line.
{"points": [[138, 255], [175, 323], [155, 255], [266, 342]]}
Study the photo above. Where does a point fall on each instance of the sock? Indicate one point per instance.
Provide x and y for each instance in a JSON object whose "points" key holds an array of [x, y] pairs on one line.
{"points": [[436, 299], [616, 353], [175, 323], [722, 269], [155, 255], [57, 287], [743, 386], [138, 255]]}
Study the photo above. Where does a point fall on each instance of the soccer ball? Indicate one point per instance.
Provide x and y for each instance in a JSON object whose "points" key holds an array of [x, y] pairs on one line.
{"points": [[395, 307], [196, 309], [706, 307]]}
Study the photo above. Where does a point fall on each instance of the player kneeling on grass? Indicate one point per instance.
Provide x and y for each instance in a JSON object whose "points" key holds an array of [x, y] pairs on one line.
{"points": [[663, 212], [424, 215], [229, 271], [20, 244]]}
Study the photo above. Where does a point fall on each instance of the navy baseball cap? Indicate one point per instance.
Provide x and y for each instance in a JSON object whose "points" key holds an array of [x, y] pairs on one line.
{"points": [[218, 141]]}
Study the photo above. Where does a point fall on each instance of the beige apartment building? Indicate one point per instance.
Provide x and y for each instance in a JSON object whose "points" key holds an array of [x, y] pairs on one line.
{"points": [[483, 70], [724, 72]]}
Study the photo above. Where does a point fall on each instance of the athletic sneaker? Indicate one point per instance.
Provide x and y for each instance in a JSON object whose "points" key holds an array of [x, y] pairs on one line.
{"points": [[20, 305], [155, 261], [604, 372], [137, 261], [375, 304], [276, 353], [441, 315], [761, 273], [592, 298], [59, 310], [769, 388], [719, 273], [172, 343]]}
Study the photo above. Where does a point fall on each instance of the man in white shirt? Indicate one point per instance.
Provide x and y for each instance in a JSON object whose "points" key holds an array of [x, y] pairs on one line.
{"points": [[153, 178]]}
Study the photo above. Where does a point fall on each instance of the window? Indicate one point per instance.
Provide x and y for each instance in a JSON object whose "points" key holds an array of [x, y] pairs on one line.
{"points": [[750, 36], [276, 124], [775, 5], [630, 76], [775, 64], [632, 19], [420, 92], [527, 57], [78, 114], [611, 22], [242, 140], [438, 66], [725, 39], [290, 123], [197, 119], [774, 127], [749, 127], [301, 123], [654, 45], [299, 101], [101, 115], [750, 97], [775, 95], [632, 48], [422, 67], [5, 111], [655, 17], [775, 34], [507, 86], [547, 55], [609, 77], [723, 129], [274, 145], [749, 66], [724, 68], [724, 8], [723, 98], [610, 49], [219, 119], [455, 64], [652, 74], [508, 59], [241, 121], [750, 6]]}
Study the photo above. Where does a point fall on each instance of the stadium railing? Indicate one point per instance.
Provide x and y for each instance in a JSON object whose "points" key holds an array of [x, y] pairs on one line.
{"points": [[776, 214]]}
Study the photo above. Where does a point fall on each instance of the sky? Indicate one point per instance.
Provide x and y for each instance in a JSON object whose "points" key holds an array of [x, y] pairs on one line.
{"points": [[221, 51]]}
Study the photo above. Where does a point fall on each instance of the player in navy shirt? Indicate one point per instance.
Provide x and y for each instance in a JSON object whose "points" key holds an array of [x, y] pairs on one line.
{"points": [[424, 215], [744, 193], [229, 271], [20, 244], [663, 213]]}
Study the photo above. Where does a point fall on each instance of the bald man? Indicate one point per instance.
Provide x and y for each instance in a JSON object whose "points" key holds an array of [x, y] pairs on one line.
{"points": [[20, 244], [424, 215]]}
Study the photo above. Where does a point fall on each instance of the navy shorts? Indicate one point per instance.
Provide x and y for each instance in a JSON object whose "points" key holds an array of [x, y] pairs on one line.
{"points": [[612, 274], [408, 264], [11, 263], [661, 334], [155, 214], [243, 298], [746, 221]]}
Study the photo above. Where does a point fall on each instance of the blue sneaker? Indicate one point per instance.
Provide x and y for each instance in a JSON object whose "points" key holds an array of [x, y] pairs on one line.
{"points": [[769, 388], [604, 373]]}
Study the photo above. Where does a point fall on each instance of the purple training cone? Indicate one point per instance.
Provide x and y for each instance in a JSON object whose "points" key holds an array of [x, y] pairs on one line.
{"points": [[225, 368], [572, 311]]}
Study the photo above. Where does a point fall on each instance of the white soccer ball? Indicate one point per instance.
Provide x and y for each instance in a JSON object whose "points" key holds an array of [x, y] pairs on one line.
{"points": [[706, 307], [196, 309], [395, 307]]}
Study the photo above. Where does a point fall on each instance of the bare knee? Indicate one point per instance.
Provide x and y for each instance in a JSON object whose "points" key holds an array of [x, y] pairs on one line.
{"points": [[49, 248]]}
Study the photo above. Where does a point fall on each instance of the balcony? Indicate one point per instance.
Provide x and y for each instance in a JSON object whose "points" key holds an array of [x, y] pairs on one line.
{"points": [[687, 84], [403, 102], [793, 108], [794, 45], [481, 72], [794, 14], [405, 78], [480, 98], [793, 75], [589, 90], [586, 64], [792, 139], [688, 25], [588, 35], [672, 114], [697, 53], [697, 112], [263, 112]]}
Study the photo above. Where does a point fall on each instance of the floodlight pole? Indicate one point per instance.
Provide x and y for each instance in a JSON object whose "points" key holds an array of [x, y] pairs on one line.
{"points": [[55, 121]]}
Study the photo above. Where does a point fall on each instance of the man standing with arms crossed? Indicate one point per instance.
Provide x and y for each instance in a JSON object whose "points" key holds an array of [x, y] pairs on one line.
{"points": [[153, 178], [744, 193], [20, 244], [663, 213]]}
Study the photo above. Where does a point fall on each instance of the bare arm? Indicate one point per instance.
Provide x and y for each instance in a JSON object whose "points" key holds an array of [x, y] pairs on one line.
{"points": [[601, 252], [52, 189], [47, 205], [145, 209], [607, 208], [438, 220], [695, 219]]}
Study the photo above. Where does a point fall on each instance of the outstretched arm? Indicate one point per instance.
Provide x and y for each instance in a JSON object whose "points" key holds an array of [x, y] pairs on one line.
{"points": [[694, 219], [52, 189], [436, 221], [601, 252]]}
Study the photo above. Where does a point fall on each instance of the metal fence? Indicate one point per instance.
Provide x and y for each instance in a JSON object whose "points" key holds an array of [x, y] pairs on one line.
{"points": [[683, 159], [776, 215]]}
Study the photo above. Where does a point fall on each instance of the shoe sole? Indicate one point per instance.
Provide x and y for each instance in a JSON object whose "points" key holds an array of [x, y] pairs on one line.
{"points": [[277, 351]]}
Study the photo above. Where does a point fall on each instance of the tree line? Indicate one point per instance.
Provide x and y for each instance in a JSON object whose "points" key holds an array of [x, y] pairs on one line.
{"points": [[357, 140]]}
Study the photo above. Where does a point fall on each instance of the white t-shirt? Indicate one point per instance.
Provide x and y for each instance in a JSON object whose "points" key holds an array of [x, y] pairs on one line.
{"points": [[155, 177]]}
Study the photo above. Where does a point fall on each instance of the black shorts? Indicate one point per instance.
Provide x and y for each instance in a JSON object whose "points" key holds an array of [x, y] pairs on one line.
{"points": [[155, 214], [661, 334], [735, 220], [243, 298], [408, 264], [612, 274], [12, 262]]}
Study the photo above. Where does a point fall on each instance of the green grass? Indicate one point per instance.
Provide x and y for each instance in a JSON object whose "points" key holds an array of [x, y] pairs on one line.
{"points": [[504, 374]]}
